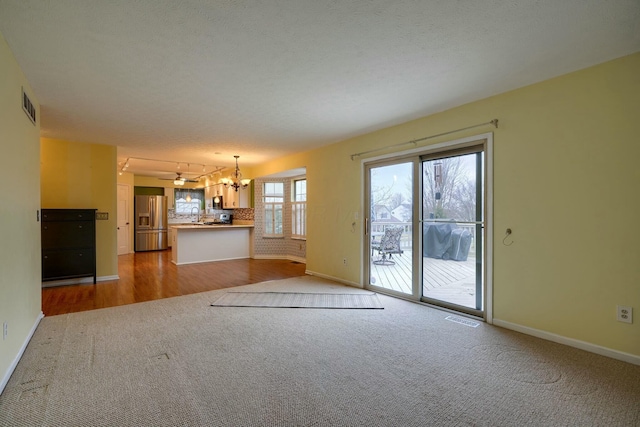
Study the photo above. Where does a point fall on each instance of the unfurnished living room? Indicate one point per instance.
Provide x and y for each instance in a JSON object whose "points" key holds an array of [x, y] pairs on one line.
{"points": [[310, 213]]}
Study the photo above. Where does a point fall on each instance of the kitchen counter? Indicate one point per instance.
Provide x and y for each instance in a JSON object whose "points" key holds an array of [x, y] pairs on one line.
{"points": [[208, 226], [194, 243]]}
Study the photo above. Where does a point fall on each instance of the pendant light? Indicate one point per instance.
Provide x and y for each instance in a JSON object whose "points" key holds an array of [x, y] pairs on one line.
{"points": [[235, 179], [188, 199]]}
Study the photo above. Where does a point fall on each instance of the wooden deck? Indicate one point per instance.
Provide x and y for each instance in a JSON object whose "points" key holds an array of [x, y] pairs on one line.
{"points": [[445, 280]]}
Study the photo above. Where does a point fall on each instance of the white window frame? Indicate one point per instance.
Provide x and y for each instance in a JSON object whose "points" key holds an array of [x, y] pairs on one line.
{"points": [[182, 207], [299, 210], [272, 202]]}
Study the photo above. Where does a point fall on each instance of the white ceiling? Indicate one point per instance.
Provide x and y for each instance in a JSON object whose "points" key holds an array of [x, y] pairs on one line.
{"points": [[200, 80]]}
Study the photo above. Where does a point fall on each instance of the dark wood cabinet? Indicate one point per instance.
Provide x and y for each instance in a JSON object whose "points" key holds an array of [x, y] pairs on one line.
{"points": [[68, 243]]}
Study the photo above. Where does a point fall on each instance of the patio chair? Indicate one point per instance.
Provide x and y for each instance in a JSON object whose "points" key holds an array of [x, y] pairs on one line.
{"points": [[389, 244]]}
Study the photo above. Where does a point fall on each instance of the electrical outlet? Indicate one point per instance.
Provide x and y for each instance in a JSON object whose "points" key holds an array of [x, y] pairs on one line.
{"points": [[5, 330], [624, 314], [344, 261]]}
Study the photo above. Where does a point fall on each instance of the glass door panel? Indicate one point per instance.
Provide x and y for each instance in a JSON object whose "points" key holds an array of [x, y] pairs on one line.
{"points": [[453, 231], [390, 190]]}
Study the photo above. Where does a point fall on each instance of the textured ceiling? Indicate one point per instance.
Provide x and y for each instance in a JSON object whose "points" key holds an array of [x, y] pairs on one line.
{"points": [[199, 80]]}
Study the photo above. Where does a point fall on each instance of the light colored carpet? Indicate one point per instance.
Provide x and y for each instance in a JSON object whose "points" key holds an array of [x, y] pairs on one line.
{"points": [[298, 300], [180, 362]]}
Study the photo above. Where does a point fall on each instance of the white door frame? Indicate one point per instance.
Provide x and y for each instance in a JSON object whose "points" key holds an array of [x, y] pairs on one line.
{"points": [[445, 146], [124, 224]]}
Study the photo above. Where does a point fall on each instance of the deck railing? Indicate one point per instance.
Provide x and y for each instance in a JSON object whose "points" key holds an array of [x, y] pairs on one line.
{"points": [[378, 227]]}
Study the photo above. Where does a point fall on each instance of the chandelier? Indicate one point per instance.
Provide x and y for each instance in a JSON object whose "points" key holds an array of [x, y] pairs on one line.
{"points": [[235, 179]]}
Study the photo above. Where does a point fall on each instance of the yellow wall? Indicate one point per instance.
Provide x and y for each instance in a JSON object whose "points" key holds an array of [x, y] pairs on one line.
{"points": [[20, 258], [566, 180], [79, 175]]}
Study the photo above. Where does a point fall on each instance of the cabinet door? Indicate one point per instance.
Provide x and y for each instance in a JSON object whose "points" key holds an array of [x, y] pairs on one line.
{"points": [[67, 263], [244, 198], [68, 215], [237, 199], [209, 193], [169, 192], [229, 198], [67, 234]]}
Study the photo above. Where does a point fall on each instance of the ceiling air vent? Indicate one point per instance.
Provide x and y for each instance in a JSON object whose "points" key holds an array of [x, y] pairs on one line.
{"points": [[28, 107]]}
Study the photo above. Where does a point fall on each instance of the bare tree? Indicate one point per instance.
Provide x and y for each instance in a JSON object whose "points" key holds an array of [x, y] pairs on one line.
{"points": [[447, 190], [465, 200], [395, 201], [384, 194], [381, 194]]}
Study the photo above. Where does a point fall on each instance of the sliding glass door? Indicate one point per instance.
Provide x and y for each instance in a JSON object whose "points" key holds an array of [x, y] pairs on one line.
{"points": [[426, 226], [453, 230], [390, 241]]}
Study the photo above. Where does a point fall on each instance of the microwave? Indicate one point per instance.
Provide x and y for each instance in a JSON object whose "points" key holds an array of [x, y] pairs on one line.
{"points": [[218, 205]]}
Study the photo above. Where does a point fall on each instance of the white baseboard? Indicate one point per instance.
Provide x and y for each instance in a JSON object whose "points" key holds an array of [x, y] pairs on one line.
{"points": [[78, 281], [270, 257], [335, 279], [12, 367], [208, 260], [287, 257], [582, 345]]}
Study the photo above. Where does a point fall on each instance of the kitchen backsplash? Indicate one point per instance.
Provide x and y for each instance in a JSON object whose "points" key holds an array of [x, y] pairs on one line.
{"points": [[244, 214], [238, 214]]}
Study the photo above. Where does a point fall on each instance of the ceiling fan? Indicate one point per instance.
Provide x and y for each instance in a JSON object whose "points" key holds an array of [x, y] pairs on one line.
{"points": [[179, 179]]}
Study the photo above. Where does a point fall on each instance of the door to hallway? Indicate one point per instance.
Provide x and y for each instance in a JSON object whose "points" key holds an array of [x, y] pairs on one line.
{"points": [[123, 219]]}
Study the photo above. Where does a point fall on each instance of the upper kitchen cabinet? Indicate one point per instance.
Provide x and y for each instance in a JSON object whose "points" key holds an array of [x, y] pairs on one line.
{"points": [[217, 190], [171, 200], [229, 198], [211, 192], [237, 199]]}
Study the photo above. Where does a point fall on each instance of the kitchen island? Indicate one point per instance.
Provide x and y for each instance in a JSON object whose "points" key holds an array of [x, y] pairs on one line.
{"points": [[204, 243]]}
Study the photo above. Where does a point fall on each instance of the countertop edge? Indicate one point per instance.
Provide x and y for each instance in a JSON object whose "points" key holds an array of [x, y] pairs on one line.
{"points": [[209, 227]]}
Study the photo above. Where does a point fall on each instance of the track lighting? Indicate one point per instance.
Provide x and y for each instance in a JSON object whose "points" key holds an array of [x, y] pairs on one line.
{"points": [[124, 165]]}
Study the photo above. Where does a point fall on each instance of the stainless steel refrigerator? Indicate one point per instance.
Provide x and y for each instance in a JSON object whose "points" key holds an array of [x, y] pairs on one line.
{"points": [[151, 223]]}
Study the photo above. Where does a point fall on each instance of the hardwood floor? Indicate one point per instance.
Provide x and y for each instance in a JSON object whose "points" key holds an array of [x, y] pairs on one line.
{"points": [[146, 276]]}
